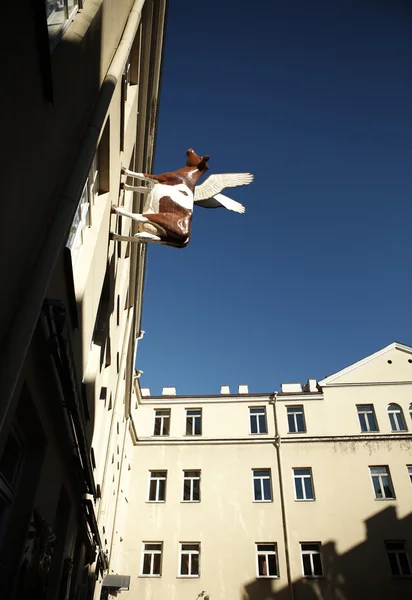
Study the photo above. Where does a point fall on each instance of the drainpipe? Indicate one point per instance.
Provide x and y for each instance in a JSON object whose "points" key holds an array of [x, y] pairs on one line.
{"points": [[282, 497]]}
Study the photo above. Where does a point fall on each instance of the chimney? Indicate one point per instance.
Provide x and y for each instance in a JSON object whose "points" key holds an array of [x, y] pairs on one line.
{"points": [[288, 388], [243, 389], [224, 389], [169, 391], [311, 386], [145, 391]]}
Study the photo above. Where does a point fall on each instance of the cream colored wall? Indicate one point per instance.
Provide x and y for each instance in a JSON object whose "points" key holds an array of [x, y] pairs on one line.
{"points": [[227, 522], [222, 418]]}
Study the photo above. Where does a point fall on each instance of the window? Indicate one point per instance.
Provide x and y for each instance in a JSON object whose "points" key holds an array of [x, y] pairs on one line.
{"points": [[303, 484], [191, 486], [189, 559], [59, 14], [410, 410], [258, 420], [311, 559], [398, 558], [367, 419], [262, 487], [162, 422], [296, 419], [266, 560], [82, 217], [382, 483], [157, 486], [194, 421], [396, 418], [152, 559], [410, 472]]}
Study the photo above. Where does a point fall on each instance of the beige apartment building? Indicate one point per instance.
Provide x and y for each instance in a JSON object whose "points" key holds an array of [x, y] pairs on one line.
{"points": [[81, 83], [301, 494]]}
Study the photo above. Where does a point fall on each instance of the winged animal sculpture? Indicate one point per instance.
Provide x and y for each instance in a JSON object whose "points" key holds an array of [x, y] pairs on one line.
{"points": [[170, 197]]}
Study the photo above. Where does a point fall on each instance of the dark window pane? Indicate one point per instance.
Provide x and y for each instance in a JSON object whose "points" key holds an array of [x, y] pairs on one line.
{"points": [[162, 489], [291, 422], [301, 424], [190, 547], [198, 426], [156, 564], [257, 487], [404, 563], [195, 564], [372, 423], [189, 426], [166, 423], [253, 424], [393, 563], [317, 564], [272, 565], [387, 488], [157, 427], [308, 488], [196, 489], [377, 487], [186, 490], [307, 568], [299, 490], [262, 424], [393, 422], [152, 493], [266, 489], [184, 564], [314, 547], [362, 419], [401, 421], [146, 564], [262, 565]]}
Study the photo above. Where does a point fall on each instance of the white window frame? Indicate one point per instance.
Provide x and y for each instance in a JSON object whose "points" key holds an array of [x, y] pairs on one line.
{"points": [[191, 479], [409, 467], [379, 477], [294, 412], [261, 479], [367, 410], [258, 411], [395, 410], [162, 418], [396, 552], [311, 553], [154, 476], [61, 27], [196, 415], [266, 554], [82, 220], [302, 477], [190, 553], [152, 553]]}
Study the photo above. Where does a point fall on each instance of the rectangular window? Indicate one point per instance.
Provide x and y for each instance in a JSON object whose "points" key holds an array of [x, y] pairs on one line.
{"points": [[311, 559], [266, 560], [303, 484], [189, 559], [382, 483], [162, 422], [296, 419], [398, 558], [258, 420], [157, 486], [152, 559], [82, 218], [194, 421], [410, 472], [191, 486], [367, 418], [262, 487], [59, 14]]}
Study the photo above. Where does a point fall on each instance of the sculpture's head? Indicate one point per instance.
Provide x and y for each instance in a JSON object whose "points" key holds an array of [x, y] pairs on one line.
{"points": [[194, 160]]}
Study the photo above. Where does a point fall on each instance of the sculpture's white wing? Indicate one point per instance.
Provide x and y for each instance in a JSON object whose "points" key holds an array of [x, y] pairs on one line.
{"points": [[215, 184], [221, 201]]}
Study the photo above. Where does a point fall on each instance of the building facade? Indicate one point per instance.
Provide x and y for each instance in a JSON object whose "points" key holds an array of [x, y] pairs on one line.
{"points": [[299, 494], [86, 106]]}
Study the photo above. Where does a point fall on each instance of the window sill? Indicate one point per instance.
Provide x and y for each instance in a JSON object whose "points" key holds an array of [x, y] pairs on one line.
{"points": [[262, 501], [188, 577], [384, 499], [372, 432], [149, 576], [155, 501], [190, 502], [305, 500], [190, 435], [296, 432], [259, 433], [267, 577]]}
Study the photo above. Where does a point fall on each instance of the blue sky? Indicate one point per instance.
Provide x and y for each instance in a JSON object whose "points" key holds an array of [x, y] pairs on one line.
{"points": [[314, 98]]}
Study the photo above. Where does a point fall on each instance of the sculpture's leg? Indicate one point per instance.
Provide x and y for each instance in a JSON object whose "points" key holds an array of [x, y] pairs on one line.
{"points": [[138, 237], [134, 216], [136, 175], [135, 188]]}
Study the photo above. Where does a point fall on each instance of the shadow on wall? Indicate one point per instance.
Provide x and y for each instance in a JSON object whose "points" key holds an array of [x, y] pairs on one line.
{"points": [[361, 573]]}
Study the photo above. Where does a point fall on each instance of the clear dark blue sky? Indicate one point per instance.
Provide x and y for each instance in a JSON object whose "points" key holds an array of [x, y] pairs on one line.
{"points": [[315, 98]]}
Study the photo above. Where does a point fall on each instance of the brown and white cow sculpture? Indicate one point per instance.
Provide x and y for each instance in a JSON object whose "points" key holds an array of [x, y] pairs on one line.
{"points": [[168, 209]]}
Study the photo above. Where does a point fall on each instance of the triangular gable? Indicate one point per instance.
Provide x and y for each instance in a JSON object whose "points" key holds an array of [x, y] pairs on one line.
{"points": [[376, 368]]}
